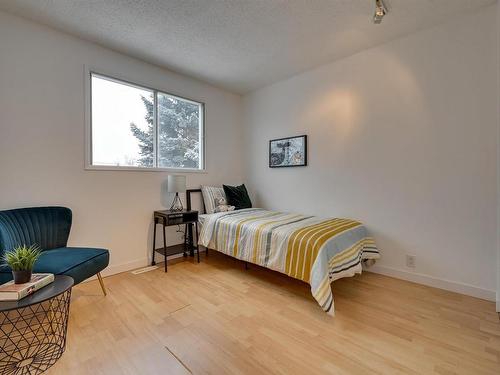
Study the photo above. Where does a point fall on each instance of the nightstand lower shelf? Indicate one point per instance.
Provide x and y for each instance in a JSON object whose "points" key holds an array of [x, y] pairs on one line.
{"points": [[177, 249]]}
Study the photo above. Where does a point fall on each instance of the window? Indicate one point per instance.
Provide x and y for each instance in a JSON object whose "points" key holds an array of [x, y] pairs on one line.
{"points": [[137, 127]]}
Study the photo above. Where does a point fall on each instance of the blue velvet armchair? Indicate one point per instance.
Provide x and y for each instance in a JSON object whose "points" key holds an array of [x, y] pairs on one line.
{"points": [[49, 227]]}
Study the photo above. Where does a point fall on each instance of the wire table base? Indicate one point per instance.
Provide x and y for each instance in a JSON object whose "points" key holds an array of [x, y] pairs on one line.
{"points": [[33, 338]]}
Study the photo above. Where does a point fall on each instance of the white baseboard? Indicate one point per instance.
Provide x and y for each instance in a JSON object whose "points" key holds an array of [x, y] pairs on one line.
{"points": [[453, 286], [128, 266]]}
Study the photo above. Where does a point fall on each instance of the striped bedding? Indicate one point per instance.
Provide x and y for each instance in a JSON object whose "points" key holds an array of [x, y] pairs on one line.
{"points": [[312, 249]]}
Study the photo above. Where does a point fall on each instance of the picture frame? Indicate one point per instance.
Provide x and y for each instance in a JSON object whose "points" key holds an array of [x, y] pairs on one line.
{"points": [[288, 152]]}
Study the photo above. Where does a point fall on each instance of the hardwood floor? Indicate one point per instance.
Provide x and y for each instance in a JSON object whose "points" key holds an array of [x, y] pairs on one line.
{"points": [[217, 318]]}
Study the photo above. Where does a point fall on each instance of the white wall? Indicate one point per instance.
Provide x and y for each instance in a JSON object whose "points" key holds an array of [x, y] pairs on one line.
{"points": [[42, 139], [402, 137]]}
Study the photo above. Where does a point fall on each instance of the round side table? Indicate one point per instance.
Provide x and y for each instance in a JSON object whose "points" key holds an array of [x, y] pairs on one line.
{"points": [[33, 329]]}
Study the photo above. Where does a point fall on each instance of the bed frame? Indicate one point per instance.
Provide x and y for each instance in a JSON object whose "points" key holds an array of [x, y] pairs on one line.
{"points": [[188, 198], [190, 238]]}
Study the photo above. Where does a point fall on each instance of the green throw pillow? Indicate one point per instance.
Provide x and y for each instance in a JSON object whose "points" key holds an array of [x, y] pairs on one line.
{"points": [[237, 196]]}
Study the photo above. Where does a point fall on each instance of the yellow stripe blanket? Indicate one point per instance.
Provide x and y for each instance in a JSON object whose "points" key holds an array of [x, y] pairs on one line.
{"points": [[315, 250]]}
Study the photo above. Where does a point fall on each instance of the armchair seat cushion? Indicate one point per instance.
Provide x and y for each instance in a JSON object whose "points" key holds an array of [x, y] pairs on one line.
{"points": [[78, 262], [5, 275]]}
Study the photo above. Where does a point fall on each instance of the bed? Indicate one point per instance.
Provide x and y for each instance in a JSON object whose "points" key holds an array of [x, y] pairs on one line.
{"points": [[309, 248]]}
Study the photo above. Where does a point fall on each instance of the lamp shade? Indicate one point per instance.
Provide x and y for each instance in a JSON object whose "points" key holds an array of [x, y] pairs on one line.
{"points": [[176, 184]]}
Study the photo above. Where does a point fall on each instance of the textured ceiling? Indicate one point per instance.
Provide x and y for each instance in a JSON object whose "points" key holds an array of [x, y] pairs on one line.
{"points": [[240, 45]]}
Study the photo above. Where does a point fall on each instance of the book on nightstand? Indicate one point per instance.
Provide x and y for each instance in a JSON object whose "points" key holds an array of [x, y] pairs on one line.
{"points": [[13, 292]]}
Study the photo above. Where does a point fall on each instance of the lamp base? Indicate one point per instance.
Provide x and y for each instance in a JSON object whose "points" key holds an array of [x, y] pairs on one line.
{"points": [[176, 204]]}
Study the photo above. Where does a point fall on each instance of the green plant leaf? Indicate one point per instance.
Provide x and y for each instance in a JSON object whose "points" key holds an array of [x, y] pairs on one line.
{"points": [[22, 257]]}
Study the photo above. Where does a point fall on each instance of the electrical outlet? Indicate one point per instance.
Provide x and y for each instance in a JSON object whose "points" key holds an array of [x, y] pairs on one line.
{"points": [[411, 261]]}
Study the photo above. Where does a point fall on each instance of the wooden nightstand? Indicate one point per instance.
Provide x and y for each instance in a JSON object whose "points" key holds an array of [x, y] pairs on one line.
{"points": [[169, 218]]}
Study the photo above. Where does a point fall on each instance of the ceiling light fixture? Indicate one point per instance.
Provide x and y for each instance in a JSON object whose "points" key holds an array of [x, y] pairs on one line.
{"points": [[380, 12]]}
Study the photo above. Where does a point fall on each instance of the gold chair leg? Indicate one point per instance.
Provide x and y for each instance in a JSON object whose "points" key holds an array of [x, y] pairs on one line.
{"points": [[102, 283]]}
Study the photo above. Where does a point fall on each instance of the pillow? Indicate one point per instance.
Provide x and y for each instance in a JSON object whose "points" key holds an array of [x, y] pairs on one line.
{"points": [[237, 196], [212, 196]]}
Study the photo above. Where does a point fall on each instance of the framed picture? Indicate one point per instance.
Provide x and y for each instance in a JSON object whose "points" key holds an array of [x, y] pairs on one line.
{"points": [[288, 152]]}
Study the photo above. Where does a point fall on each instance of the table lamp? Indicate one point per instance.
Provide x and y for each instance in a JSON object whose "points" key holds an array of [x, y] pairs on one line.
{"points": [[176, 184]]}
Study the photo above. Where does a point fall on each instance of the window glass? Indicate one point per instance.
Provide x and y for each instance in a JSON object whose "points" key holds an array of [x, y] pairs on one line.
{"points": [[133, 126], [178, 132]]}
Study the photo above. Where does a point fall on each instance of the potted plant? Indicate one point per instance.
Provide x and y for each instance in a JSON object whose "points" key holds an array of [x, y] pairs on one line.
{"points": [[21, 260]]}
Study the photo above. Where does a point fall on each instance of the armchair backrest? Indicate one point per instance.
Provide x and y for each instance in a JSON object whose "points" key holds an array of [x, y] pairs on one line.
{"points": [[48, 227]]}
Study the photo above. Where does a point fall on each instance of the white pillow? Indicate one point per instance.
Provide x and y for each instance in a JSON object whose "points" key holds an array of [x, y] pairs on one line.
{"points": [[212, 197]]}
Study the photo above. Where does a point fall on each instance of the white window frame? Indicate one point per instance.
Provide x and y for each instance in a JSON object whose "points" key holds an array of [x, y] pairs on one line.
{"points": [[88, 125]]}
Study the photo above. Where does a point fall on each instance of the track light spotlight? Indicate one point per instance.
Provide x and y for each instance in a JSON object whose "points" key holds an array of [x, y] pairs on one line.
{"points": [[380, 11]]}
